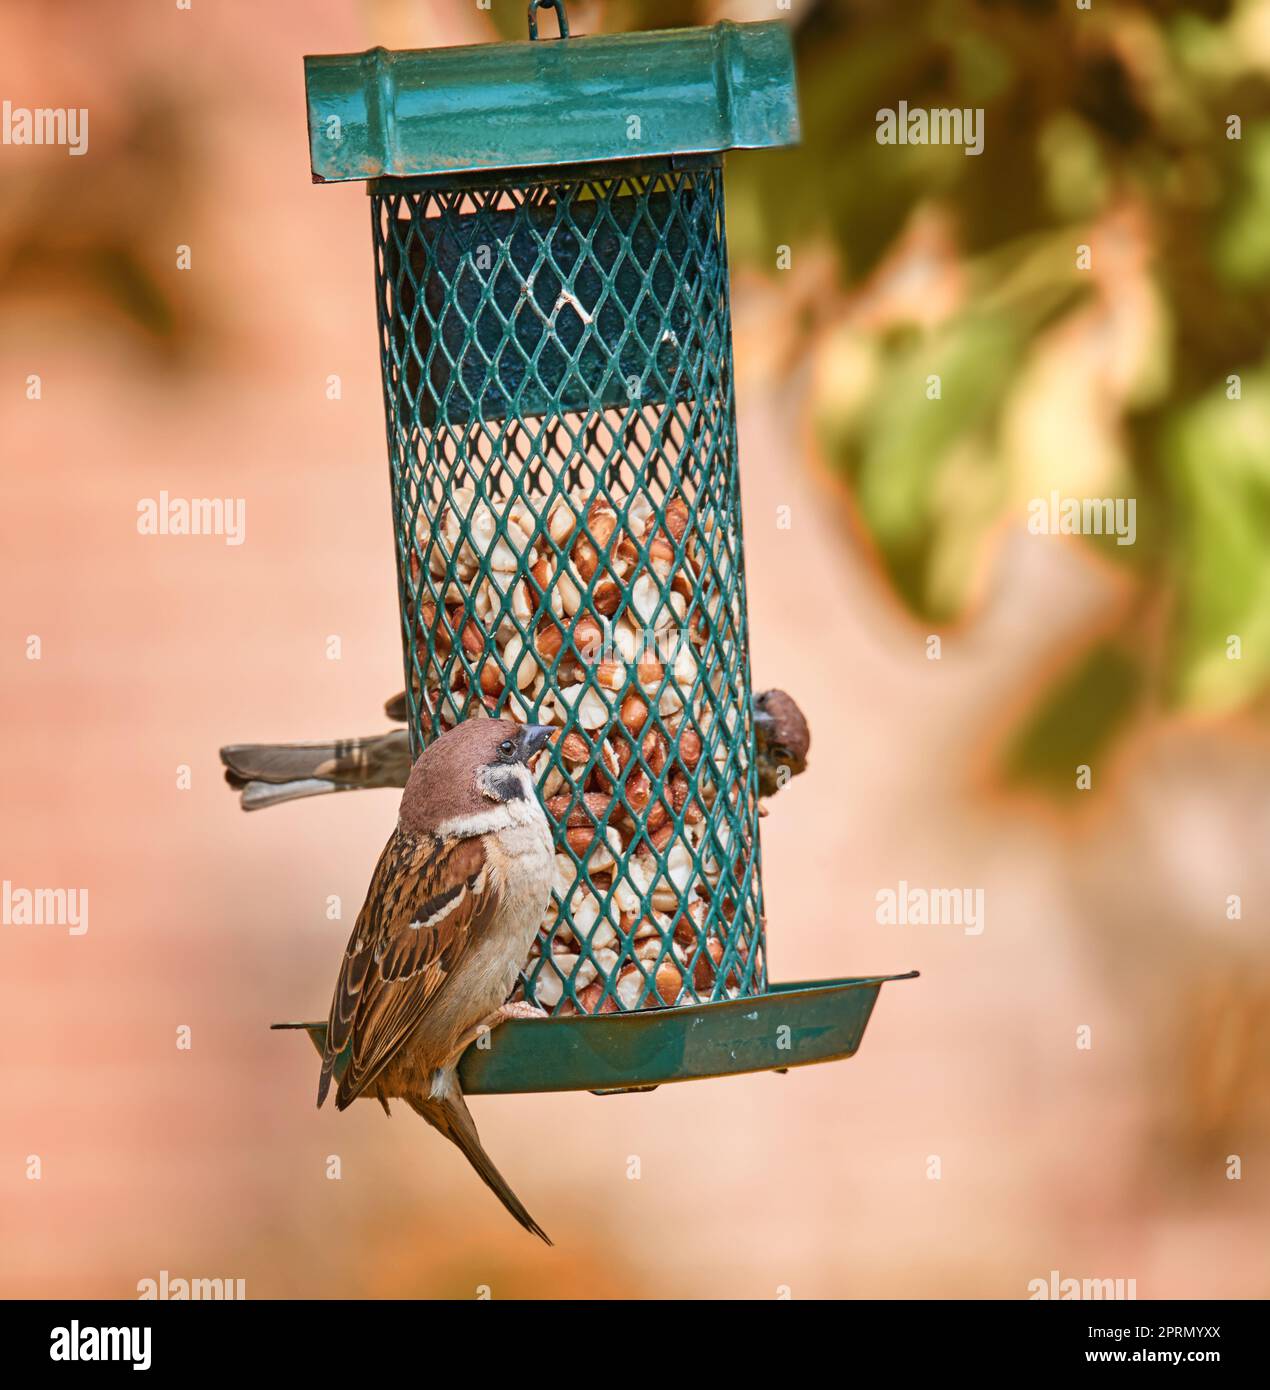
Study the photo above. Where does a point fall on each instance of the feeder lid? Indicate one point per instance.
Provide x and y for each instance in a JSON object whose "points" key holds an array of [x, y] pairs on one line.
{"points": [[569, 100]]}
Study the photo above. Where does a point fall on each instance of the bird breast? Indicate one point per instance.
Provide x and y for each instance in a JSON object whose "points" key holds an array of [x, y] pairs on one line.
{"points": [[519, 860]]}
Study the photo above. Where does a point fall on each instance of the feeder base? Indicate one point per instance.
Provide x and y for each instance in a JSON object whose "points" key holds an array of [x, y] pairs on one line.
{"points": [[792, 1025]]}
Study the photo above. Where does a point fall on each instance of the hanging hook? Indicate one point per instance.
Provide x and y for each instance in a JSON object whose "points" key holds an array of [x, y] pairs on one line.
{"points": [[562, 19]]}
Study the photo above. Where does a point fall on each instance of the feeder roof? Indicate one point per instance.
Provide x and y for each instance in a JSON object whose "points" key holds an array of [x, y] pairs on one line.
{"points": [[549, 102]]}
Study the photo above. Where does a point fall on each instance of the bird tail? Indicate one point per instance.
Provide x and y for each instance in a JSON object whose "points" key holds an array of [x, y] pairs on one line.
{"points": [[289, 762], [256, 796], [451, 1116], [269, 773]]}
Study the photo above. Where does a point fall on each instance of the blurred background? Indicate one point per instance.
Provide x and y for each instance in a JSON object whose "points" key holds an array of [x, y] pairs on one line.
{"points": [[1135, 909]]}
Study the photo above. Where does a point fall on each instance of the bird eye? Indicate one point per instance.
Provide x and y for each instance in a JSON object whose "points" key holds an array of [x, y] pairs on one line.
{"points": [[507, 748]]}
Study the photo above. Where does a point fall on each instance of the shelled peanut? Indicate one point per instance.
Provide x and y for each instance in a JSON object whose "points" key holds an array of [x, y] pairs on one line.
{"points": [[601, 630]]}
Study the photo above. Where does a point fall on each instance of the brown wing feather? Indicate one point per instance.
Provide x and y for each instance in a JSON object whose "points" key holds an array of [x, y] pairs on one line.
{"points": [[427, 900]]}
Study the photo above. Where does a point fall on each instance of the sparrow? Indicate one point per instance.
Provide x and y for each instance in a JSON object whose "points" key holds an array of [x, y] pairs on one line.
{"points": [[270, 773], [452, 909], [782, 739]]}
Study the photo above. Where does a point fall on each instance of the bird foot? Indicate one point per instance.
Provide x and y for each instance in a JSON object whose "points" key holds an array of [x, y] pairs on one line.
{"points": [[521, 1009]]}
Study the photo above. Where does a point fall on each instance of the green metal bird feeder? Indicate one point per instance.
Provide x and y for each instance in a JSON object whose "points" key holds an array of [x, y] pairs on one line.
{"points": [[555, 337]]}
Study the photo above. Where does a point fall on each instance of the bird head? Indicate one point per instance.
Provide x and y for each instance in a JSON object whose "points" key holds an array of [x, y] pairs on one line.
{"points": [[462, 779], [782, 737]]}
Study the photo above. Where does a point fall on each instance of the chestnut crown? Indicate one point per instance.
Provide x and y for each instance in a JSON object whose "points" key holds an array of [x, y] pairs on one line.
{"points": [[469, 768]]}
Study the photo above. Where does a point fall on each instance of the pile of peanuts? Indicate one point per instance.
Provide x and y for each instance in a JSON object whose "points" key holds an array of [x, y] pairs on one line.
{"points": [[610, 627]]}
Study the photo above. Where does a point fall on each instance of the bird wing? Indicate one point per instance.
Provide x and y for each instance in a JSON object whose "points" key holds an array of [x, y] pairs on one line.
{"points": [[428, 900]]}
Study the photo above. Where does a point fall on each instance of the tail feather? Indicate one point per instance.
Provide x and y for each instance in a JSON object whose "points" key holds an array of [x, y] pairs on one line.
{"points": [[257, 795], [283, 762], [451, 1116], [309, 769]]}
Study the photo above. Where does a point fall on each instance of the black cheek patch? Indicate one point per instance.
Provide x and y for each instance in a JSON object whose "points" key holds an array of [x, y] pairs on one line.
{"points": [[508, 785]]}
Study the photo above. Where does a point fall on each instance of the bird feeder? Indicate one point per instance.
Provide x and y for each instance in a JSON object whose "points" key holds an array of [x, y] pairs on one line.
{"points": [[555, 339]]}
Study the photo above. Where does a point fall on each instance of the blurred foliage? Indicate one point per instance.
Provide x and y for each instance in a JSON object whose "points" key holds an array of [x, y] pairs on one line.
{"points": [[1077, 717], [1106, 128], [98, 236], [1219, 465]]}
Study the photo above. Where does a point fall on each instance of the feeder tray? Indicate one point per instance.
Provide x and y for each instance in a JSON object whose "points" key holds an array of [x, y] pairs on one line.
{"points": [[824, 1019], [556, 351]]}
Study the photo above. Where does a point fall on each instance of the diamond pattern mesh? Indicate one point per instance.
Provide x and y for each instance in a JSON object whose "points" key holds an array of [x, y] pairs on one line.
{"points": [[556, 356]]}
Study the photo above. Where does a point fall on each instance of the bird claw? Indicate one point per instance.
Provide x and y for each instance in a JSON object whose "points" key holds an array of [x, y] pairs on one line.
{"points": [[522, 1009]]}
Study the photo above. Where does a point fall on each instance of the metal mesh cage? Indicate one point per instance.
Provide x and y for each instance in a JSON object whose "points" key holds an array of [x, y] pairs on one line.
{"points": [[556, 352]]}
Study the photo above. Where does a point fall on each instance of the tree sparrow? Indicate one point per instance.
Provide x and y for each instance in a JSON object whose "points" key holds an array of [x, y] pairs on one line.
{"points": [[782, 739], [269, 773], [454, 904]]}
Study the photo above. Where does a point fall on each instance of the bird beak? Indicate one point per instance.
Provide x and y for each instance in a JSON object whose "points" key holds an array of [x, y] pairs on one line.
{"points": [[764, 721], [532, 738]]}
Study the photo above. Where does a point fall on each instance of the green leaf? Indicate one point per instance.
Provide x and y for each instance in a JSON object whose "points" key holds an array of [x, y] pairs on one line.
{"points": [[1076, 722], [1218, 460], [1242, 253], [906, 443]]}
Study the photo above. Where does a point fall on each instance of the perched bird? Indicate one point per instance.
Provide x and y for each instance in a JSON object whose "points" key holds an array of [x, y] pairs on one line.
{"points": [[454, 904], [782, 738], [269, 773]]}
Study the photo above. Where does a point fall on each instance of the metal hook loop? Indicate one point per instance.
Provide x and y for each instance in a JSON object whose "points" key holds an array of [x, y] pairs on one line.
{"points": [[562, 19]]}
